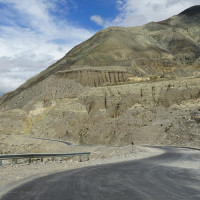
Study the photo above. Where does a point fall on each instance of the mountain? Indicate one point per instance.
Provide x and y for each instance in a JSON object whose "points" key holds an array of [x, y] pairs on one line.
{"points": [[139, 84]]}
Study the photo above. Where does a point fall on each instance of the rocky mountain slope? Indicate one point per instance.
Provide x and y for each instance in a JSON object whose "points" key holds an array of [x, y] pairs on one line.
{"points": [[139, 84]]}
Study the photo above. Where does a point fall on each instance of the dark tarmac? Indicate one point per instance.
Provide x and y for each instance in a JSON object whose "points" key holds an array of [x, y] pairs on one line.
{"points": [[145, 179]]}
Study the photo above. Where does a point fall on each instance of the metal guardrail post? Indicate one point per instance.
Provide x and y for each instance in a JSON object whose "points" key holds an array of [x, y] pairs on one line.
{"points": [[29, 160], [62, 159], [80, 160], [14, 161], [1, 163], [42, 160], [52, 159]]}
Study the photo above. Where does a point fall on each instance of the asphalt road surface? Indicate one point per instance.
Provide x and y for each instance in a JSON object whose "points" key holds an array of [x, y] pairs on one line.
{"points": [[174, 175]]}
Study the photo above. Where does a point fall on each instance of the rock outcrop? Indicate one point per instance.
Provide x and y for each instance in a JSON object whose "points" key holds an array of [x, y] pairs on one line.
{"points": [[139, 84], [96, 78]]}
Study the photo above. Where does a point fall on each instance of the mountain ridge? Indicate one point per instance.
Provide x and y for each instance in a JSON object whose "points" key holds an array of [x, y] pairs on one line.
{"points": [[194, 10], [73, 55]]}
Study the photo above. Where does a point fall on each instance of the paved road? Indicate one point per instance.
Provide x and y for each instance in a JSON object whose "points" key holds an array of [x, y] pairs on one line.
{"points": [[155, 178]]}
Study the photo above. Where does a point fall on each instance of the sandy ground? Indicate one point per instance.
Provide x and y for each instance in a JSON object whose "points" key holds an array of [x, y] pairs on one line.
{"points": [[99, 155]]}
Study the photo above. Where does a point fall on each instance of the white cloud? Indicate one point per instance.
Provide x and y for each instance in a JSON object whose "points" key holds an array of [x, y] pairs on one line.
{"points": [[119, 2], [134, 12], [97, 19], [8, 83], [16, 70], [31, 43]]}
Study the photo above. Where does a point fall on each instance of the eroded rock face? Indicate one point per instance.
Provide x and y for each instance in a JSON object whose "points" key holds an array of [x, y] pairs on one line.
{"points": [[96, 78], [147, 113], [49, 89], [139, 84]]}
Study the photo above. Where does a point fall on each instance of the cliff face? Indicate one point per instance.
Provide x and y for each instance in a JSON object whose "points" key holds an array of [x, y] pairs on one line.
{"points": [[144, 112], [96, 78], [138, 84]]}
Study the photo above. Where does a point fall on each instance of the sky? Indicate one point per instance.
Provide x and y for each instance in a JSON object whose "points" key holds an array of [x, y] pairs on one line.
{"points": [[36, 33]]}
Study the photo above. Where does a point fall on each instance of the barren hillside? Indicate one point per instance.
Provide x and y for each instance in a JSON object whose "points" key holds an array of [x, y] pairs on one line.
{"points": [[139, 84]]}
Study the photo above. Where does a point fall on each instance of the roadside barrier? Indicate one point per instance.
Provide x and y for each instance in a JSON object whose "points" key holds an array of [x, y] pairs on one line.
{"points": [[29, 157]]}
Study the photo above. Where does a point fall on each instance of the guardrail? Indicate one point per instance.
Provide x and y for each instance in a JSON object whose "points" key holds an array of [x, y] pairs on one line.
{"points": [[62, 156]]}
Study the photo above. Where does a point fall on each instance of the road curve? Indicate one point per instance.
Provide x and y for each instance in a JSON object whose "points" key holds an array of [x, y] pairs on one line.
{"points": [[174, 175]]}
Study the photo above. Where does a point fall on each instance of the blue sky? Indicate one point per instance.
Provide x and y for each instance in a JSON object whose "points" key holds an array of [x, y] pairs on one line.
{"points": [[80, 12], [36, 33]]}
